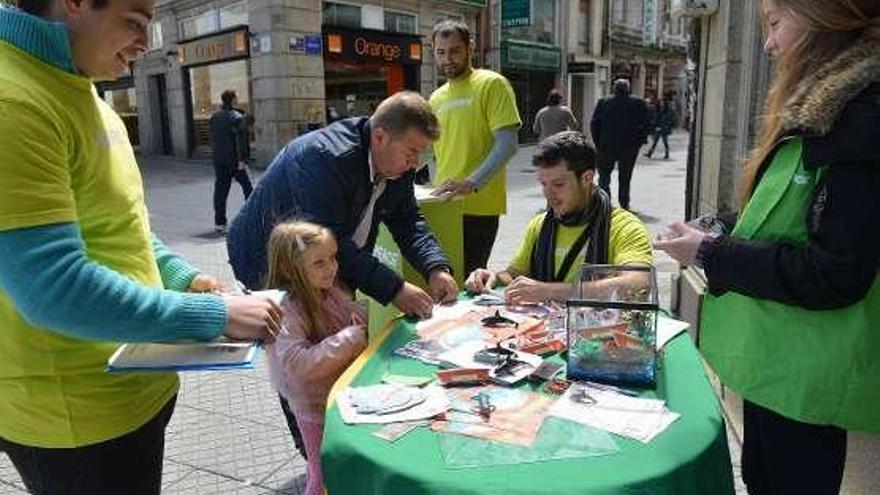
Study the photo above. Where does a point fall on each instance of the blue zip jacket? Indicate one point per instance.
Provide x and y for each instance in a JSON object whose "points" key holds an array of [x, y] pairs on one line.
{"points": [[324, 177]]}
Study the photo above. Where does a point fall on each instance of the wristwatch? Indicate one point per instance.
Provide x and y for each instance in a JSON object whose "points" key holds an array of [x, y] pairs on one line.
{"points": [[706, 249]]}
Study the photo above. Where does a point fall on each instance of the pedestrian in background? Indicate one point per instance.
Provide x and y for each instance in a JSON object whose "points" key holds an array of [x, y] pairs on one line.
{"points": [[619, 127], [479, 121], [554, 117], [792, 315], [80, 271], [661, 126], [229, 138]]}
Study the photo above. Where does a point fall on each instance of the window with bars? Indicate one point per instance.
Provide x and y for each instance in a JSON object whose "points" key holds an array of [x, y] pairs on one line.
{"points": [[215, 19], [400, 22]]}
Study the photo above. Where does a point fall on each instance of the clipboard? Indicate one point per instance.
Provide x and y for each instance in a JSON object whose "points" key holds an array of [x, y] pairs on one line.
{"points": [[184, 356]]}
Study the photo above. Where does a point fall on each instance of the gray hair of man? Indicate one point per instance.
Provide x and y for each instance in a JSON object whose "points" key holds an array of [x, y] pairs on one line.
{"points": [[621, 87]]}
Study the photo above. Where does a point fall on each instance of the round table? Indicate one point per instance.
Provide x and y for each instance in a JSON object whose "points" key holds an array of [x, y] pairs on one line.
{"points": [[690, 457]]}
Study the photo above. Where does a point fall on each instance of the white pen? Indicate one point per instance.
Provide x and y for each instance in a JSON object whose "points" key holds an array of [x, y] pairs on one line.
{"points": [[244, 290]]}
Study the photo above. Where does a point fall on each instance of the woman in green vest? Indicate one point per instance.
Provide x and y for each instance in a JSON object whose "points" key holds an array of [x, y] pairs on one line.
{"points": [[792, 318]]}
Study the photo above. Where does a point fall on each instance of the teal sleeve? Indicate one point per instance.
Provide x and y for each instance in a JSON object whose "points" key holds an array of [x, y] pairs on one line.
{"points": [[176, 273], [52, 284]]}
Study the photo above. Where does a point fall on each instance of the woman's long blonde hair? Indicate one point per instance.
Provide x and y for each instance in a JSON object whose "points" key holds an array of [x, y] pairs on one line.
{"points": [[287, 245], [832, 27]]}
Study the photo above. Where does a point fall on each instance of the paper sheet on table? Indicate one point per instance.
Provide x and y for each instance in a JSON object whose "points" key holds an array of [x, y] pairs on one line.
{"points": [[435, 403], [423, 195], [445, 312], [667, 328], [639, 419], [515, 418]]}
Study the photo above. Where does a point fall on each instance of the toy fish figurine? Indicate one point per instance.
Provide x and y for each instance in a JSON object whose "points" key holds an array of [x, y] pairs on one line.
{"points": [[497, 320]]}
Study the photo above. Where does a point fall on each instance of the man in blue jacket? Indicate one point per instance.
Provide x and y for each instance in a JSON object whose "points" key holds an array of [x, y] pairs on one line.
{"points": [[350, 176]]}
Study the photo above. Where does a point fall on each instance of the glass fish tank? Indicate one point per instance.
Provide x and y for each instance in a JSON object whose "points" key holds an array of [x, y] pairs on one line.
{"points": [[611, 325]]}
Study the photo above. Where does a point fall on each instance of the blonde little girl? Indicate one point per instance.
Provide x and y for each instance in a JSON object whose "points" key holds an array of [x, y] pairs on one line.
{"points": [[325, 331]]}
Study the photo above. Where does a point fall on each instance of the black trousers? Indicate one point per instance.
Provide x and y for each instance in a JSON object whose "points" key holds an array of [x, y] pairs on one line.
{"points": [[293, 427], [223, 175], [479, 236], [130, 464], [657, 137], [782, 456], [625, 161]]}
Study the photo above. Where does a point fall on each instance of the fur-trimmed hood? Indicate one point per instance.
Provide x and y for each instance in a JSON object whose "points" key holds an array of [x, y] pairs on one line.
{"points": [[819, 100], [837, 108]]}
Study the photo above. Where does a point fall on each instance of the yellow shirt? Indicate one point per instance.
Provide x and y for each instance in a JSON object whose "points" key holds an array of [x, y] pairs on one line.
{"points": [[628, 242], [65, 157], [469, 111]]}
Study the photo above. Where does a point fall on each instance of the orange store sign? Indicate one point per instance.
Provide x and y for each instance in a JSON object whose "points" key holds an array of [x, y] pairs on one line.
{"points": [[386, 51], [368, 45], [214, 48]]}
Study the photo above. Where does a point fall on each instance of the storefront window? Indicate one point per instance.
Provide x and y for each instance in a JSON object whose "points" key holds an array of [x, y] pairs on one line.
{"points": [[400, 22], [206, 84], [342, 15], [124, 102]]}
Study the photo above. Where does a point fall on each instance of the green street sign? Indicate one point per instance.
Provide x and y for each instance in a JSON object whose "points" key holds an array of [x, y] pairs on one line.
{"points": [[515, 13], [516, 54]]}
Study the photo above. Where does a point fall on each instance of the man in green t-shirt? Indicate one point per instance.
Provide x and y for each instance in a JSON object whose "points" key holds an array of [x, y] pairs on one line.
{"points": [[478, 135], [580, 226]]}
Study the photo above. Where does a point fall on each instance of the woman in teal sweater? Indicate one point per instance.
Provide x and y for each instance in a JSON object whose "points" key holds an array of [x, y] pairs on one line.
{"points": [[792, 315]]}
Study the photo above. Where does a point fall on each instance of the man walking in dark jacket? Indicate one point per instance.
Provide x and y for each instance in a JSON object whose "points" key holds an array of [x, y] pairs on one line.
{"points": [[619, 127], [230, 141]]}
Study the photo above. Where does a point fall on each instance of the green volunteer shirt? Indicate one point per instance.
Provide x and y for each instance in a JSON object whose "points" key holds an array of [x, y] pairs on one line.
{"points": [[628, 243], [469, 111]]}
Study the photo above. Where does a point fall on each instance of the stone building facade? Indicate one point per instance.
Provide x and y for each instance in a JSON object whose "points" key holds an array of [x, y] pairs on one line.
{"points": [[295, 64]]}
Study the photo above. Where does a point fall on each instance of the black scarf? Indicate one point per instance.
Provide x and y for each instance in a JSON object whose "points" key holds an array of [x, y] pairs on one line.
{"points": [[597, 222]]}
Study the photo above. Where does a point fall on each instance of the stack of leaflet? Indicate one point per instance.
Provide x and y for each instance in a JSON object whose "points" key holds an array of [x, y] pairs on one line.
{"points": [[597, 406], [384, 403]]}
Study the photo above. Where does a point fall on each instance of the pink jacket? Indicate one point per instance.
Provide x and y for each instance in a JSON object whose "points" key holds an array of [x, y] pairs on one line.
{"points": [[304, 372]]}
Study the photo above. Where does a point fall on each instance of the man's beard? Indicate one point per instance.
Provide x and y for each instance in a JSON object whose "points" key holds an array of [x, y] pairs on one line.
{"points": [[459, 70]]}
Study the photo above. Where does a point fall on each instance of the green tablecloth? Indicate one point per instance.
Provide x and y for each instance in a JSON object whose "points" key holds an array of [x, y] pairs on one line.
{"points": [[690, 457]]}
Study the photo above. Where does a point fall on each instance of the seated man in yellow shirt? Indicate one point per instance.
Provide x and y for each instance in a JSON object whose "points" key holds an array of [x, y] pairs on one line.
{"points": [[579, 227]]}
